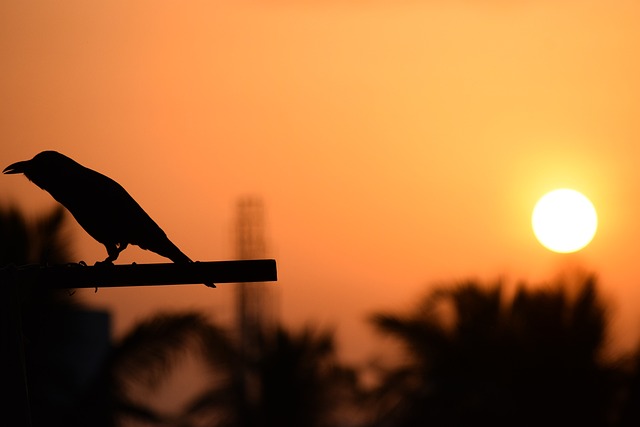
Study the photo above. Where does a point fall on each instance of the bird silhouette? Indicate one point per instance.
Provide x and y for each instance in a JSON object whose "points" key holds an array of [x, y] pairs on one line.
{"points": [[100, 205]]}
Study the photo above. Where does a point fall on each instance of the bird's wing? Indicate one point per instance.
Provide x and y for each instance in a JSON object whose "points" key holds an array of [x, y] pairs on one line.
{"points": [[122, 217]]}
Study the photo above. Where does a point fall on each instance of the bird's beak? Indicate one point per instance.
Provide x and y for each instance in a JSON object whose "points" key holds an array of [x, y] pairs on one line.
{"points": [[18, 167]]}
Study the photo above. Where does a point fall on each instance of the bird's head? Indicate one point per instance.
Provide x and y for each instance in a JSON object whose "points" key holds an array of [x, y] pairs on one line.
{"points": [[41, 168]]}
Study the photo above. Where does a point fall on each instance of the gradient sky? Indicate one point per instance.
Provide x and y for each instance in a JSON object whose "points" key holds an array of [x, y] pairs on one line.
{"points": [[396, 145]]}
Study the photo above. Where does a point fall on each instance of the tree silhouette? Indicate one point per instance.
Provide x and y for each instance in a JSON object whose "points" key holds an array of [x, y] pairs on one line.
{"points": [[296, 381], [154, 349], [57, 370], [25, 242], [476, 358], [629, 413]]}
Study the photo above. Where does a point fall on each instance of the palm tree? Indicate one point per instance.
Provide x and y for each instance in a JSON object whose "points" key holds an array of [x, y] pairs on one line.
{"points": [[295, 381], [298, 381], [160, 346], [475, 358]]}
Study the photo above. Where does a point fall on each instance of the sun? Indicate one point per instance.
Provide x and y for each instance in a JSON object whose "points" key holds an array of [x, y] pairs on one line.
{"points": [[564, 220]]}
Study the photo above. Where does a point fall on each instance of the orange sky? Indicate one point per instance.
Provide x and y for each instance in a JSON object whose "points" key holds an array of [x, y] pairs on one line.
{"points": [[394, 145]]}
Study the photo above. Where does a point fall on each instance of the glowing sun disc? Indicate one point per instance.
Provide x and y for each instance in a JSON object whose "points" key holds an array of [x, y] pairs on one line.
{"points": [[564, 220]]}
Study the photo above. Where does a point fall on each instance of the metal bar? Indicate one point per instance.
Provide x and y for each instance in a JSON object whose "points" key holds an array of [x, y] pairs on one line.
{"points": [[120, 275]]}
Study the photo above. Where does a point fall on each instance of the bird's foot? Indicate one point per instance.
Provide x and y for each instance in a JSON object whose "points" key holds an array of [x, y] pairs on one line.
{"points": [[74, 264]]}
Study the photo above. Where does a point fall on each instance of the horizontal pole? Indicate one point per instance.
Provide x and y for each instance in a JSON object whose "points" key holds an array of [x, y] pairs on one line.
{"points": [[69, 276]]}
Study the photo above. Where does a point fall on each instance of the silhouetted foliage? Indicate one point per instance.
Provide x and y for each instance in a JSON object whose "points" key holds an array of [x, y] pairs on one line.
{"points": [[630, 405], [25, 242], [41, 241], [476, 358], [61, 354], [298, 381], [156, 347], [473, 357]]}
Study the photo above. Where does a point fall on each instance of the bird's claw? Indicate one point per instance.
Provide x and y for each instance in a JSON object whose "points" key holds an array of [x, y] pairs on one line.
{"points": [[73, 264]]}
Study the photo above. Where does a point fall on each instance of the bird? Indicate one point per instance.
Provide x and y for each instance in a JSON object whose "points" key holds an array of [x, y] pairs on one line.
{"points": [[102, 207]]}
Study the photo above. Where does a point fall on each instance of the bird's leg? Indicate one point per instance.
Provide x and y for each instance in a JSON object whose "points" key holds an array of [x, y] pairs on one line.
{"points": [[113, 250], [112, 254], [122, 247]]}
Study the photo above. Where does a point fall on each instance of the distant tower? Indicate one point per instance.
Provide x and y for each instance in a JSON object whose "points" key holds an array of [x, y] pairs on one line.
{"points": [[254, 301]]}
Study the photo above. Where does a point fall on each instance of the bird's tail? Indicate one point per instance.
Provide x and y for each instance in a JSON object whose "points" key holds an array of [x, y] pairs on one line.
{"points": [[169, 250], [165, 247], [177, 256]]}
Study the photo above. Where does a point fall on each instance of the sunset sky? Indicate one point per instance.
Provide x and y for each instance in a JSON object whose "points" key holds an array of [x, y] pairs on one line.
{"points": [[396, 145]]}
